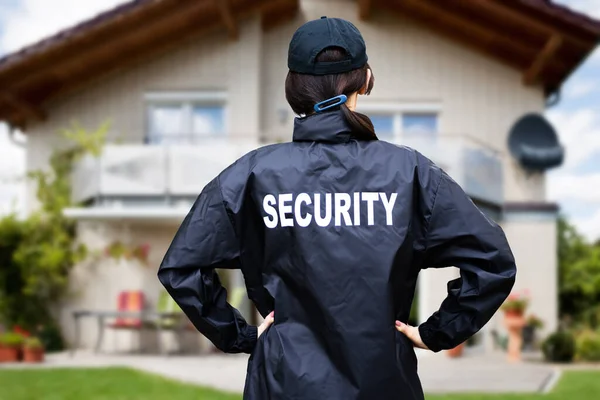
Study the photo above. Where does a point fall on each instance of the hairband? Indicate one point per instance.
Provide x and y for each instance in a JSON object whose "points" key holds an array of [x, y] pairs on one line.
{"points": [[337, 101]]}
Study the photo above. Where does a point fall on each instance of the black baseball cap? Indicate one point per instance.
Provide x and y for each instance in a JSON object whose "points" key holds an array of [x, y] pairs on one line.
{"points": [[315, 36]]}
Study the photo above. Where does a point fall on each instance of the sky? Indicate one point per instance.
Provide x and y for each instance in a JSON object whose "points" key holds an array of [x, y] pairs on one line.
{"points": [[575, 186]]}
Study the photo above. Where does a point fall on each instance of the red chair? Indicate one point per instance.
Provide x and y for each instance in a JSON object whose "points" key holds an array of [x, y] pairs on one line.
{"points": [[131, 302]]}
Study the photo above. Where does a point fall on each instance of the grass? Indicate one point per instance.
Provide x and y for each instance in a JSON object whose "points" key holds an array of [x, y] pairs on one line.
{"points": [[128, 384], [575, 385], [98, 384]]}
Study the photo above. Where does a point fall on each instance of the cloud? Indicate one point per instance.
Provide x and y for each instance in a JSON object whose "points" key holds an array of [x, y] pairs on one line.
{"points": [[589, 226], [579, 132], [581, 88], [33, 20], [585, 188], [589, 7]]}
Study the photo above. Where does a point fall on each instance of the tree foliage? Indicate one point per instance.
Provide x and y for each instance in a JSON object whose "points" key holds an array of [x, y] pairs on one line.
{"points": [[38, 253], [579, 276]]}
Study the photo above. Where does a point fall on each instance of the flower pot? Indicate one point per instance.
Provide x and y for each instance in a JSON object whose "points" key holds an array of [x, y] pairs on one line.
{"points": [[514, 314], [514, 322], [528, 337], [456, 352], [9, 354], [33, 355]]}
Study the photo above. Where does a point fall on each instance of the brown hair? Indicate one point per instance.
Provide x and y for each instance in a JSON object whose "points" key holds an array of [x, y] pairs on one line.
{"points": [[304, 91]]}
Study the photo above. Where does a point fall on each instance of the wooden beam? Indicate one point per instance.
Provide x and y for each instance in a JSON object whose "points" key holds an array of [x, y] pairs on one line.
{"points": [[502, 9], [228, 18], [142, 37], [74, 46], [533, 73], [582, 30], [465, 31], [364, 9], [276, 13], [28, 110]]}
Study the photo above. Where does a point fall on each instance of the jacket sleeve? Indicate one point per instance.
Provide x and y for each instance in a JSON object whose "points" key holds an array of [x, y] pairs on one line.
{"points": [[206, 240], [460, 235]]}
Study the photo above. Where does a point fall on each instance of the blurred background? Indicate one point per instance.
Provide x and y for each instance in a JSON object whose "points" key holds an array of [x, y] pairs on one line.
{"points": [[115, 114]]}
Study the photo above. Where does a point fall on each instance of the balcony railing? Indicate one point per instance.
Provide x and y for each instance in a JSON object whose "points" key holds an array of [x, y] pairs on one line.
{"points": [[138, 172], [474, 165]]}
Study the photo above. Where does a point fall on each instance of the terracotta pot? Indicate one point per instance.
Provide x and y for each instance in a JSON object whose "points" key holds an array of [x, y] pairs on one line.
{"points": [[9, 354], [33, 355], [456, 352], [514, 314], [514, 322]]}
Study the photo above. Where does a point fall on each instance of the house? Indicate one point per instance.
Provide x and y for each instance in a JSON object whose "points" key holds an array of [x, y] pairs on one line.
{"points": [[190, 85]]}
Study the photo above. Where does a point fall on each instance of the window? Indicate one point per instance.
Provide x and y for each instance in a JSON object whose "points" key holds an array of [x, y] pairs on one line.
{"points": [[421, 126], [384, 125], [188, 120], [405, 127]]}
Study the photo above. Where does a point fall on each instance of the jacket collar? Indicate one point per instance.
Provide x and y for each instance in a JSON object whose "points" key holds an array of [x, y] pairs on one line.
{"points": [[331, 127]]}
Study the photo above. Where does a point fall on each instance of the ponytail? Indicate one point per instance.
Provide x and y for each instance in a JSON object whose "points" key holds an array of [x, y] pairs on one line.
{"points": [[362, 127]]}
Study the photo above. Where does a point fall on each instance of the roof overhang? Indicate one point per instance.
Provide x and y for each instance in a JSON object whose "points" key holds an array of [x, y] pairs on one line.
{"points": [[125, 35], [544, 41]]}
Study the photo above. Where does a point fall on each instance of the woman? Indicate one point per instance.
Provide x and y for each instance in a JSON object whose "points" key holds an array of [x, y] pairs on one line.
{"points": [[331, 231]]}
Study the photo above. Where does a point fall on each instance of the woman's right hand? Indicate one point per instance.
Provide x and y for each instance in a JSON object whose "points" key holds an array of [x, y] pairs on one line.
{"points": [[411, 332], [266, 323]]}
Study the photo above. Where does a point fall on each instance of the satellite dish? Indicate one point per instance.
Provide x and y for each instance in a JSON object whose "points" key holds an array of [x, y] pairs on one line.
{"points": [[533, 142]]}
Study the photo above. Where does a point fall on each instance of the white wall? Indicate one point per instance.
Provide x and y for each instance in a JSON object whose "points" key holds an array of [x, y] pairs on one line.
{"points": [[532, 238]]}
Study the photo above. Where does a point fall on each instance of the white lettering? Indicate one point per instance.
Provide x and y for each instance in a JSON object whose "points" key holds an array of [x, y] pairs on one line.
{"points": [[323, 221], [389, 206], [342, 209], [370, 198], [302, 198], [357, 208], [285, 209], [304, 209], [268, 203]]}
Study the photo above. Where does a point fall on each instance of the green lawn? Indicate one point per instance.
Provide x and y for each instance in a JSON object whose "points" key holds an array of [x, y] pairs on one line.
{"points": [[98, 384], [127, 384], [574, 385]]}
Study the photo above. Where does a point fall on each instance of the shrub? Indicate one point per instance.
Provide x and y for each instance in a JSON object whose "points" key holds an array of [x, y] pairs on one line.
{"points": [[33, 343], [11, 339], [559, 347], [588, 346]]}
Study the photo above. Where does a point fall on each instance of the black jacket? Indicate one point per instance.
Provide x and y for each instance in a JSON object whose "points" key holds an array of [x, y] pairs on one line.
{"points": [[331, 233]]}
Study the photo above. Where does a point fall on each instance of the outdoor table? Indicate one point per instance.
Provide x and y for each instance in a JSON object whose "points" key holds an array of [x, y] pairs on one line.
{"points": [[143, 316]]}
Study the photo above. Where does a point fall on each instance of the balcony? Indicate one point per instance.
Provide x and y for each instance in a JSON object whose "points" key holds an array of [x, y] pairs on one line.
{"points": [[474, 165], [136, 178], [152, 175]]}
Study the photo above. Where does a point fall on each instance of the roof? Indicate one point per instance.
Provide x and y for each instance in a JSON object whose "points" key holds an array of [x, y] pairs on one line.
{"points": [[545, 41]]}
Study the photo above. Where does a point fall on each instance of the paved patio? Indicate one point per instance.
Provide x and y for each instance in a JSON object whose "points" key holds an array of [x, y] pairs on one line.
{"points": [[439, 374]]}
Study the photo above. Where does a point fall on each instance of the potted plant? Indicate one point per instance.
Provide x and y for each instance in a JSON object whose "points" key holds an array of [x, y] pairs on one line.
{"points": [[33, 350], [456, 352], [533, 323], [514, 319], [10, 346], [516, 304]]}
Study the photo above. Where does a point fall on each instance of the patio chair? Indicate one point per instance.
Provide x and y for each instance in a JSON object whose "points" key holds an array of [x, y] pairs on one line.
{"points": [[175, 322], [132, 302]]}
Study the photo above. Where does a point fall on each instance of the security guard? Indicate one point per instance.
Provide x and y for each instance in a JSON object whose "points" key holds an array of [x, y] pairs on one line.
{"points": [[330, 232]]}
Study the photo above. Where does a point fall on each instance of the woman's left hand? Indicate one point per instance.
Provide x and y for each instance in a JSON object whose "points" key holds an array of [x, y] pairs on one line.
{"points": [[266, 323], [411, 332]]}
